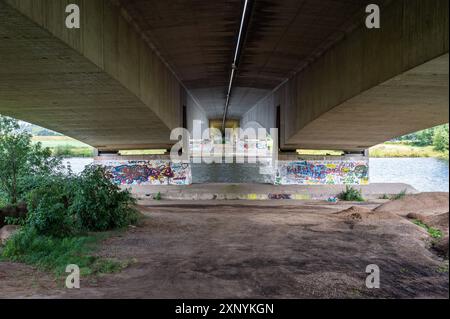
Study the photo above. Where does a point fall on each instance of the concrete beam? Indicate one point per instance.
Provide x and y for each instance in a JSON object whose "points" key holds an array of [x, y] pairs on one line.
{"points": [[101, 84], [373, 85]]}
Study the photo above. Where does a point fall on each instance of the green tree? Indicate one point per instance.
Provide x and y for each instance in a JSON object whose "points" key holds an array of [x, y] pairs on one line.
{"points": [[440, 138], [425, 137], [20, 159]]}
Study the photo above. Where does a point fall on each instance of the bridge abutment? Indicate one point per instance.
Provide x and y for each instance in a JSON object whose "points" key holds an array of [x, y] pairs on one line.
{"points": [[350, 169], [155, 170], [290, 169]]}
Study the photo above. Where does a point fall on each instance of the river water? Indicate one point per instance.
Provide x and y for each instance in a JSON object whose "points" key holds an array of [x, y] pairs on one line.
{"points": [[424, 174]]}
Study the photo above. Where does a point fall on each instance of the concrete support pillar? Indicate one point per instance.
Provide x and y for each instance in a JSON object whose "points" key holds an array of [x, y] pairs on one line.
{"points": [[352, 168], [144, 170]]}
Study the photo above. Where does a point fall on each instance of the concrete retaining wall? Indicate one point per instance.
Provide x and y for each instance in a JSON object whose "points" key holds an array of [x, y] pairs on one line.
{"points": [[154, 170], [323, 172], [160, 170]]}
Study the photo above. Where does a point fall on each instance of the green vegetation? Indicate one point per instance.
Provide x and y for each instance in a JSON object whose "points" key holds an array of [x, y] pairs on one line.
{"points": [[19, 160], [399, 195], [394, 197], [3, 200], [444, 268], [157, 196], [434, 232], [351, 194], [64, 209], [432, 142], [64, 205], [436, 136], [54, 254], [19, 221], [400, 149], [64, 146], [68, 151]]}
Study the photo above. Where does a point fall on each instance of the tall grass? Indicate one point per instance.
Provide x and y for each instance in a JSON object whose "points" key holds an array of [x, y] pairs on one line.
{"points": [[69, 151], [65, 146], [54, 254], [404, 150]]}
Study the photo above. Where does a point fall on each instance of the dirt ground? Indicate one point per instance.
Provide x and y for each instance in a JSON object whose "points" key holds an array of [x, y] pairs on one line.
{"points": [[256, 250]]}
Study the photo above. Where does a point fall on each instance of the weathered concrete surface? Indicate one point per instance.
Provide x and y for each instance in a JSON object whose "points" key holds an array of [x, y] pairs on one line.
{"points": [[298, 251], [371, 86], [121, 81], [261, 191], [414, 100], [101, 84]]}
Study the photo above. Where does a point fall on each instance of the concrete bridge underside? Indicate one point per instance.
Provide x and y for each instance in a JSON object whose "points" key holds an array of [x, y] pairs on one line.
{"points": [[121, 80]]}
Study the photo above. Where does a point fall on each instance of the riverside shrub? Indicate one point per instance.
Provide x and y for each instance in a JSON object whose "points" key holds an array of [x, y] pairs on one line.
{"points": [[64, 205], [48, 207], [99, 204]]}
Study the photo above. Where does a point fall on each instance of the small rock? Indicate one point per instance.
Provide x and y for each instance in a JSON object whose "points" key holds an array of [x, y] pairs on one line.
{"points": [[415, 216], [6, 232]]}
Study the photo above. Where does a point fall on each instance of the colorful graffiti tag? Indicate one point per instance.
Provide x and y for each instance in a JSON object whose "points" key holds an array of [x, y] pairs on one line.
{"points": [[153, 172], [322, 172]]}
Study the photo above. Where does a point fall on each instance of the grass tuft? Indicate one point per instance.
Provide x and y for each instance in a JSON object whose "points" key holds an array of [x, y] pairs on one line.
{"points": [[399, 195], [351, 194], [433, 232]]}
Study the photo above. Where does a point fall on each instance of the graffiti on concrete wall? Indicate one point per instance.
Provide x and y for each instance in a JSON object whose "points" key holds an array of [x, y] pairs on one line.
{"points": [[181, 174], [315, 172], [148, 172]]}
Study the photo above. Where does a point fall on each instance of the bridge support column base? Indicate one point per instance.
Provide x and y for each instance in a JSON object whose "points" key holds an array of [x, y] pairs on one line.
{"points": [[142, 170], [350, 169]]}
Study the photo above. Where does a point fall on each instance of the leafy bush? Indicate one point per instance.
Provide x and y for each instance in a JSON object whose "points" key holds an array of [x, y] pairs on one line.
{"points": [[49, 205], [351, 194], [99, 204], [10, 213], [59, 206], [63, 205], [3, 200], [17, 221]]}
